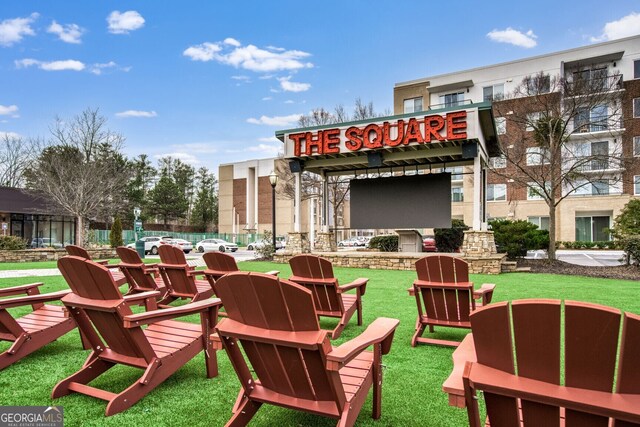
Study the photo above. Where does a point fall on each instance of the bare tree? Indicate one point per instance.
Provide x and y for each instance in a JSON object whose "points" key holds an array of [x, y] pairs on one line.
{"points": [[16, 154], [548, 142], [83, 171]]}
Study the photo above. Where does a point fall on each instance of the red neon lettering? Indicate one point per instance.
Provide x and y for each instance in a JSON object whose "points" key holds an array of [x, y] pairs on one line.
{"points": [[331, 141], [432, 127], [413, 133], [313, 142], [457, 121], [354, 138], [296, 138], [386, 131], [376, 141]]}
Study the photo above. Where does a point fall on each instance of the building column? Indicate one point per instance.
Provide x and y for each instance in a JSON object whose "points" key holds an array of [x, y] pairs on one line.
{"points": [[478, 193], [325, 203], [297, 197]]}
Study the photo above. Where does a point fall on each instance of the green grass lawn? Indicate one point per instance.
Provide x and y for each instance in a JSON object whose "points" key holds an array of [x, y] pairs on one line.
{"points": [[412, 387]]}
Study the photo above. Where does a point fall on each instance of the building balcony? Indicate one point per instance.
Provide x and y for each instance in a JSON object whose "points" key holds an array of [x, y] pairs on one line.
{"points": [[595, 126], [576, 87]]}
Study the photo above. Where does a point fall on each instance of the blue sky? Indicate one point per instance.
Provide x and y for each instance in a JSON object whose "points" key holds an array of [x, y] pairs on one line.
{"points": [[210, 82]]}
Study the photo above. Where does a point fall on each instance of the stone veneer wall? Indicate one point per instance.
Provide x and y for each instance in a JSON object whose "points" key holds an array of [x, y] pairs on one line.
{"points": [[398, 260], [326, 242], [298, 243], [478, 244], [36, 255]]}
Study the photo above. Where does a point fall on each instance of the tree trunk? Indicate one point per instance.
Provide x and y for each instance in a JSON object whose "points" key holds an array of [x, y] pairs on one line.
{"points": [[552, 232], [79, 230]]}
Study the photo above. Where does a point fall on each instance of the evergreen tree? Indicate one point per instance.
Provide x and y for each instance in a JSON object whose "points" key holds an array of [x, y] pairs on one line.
{"points": [[115, 237], [205, 208], [166, 200]]}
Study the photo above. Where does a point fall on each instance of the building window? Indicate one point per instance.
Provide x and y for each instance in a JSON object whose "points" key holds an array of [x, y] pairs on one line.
{"points": [[591, 120], [413, 105], [636, 69], [501, 125], [456, 173], [636, 146], [636, 185], [496, 192], [636, 107], [541, 221], [532, 120], [452, 99], [537, 156], [493, 93], [600, 187], [535, 192], [457, 194], [538, 84], [600, 154], [592, 228], [498, 162]]}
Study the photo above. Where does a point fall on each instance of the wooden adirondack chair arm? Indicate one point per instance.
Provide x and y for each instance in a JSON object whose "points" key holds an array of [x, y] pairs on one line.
{"points": [[140, 296], [32, 299], [617, 405], [135, 320], [308, 340], [380, 331], [103, 262], [273, 272], [485, 292], [126, 265], [358, 283], [196, 272], [20, 289]]}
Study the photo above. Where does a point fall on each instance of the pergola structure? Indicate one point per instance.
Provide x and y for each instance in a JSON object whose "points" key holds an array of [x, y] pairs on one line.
{"points": [[461, 135]]}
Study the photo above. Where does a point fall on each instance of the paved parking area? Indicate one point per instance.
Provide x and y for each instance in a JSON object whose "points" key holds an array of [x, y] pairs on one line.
{"points": [[589, 258]]}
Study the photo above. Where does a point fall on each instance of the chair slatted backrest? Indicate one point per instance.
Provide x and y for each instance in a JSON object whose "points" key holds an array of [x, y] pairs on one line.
{"points": [[443, 284], [221, 262], [174, 270], [316, 274], [104, 305], [590, 352], [134, 269], [79, 251], [273, 306], [442, 269]]}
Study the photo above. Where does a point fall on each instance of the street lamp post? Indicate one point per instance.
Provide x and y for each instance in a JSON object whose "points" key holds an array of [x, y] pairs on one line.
{"points": [[273, 179], [136, 214]]}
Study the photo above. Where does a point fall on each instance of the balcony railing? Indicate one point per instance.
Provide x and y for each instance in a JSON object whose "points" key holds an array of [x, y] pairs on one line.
{"points": [[590, 86], [596, 124]]}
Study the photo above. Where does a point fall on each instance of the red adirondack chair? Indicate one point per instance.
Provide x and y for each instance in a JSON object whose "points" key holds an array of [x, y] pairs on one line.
{"points": [[180, 278], [530, 391], [141, 277], [445, 296], [316, 274], [103, 313], [219, 264], [46, 323], [275, 323], [114, 269]]}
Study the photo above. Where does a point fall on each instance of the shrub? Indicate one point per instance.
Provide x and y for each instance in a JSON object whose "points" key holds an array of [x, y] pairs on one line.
{"points": [[517, 237], [115, 237], [631, 247], [450, 239], [388, 243], [12, 243], [266, 251]]}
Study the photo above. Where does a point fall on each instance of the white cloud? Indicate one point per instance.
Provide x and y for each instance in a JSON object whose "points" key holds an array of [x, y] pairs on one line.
{"points": [[624, 27], [122, 23], [69, 33], [202, 52], [185, 157], [98, 68], [269, 139], [198, 147], [69, 64], [288, 86], [4, 134], [514, 37], [8, 110], [136, 113], [246, 79], [276, 120], [263, 148], [267, 98], [289, 101], [13, 30], [231, 52]]}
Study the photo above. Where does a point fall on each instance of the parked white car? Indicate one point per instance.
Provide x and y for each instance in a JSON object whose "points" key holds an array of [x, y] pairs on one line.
{"points": [[260, 243], [185, 245], [207, 245], [151, 243]]}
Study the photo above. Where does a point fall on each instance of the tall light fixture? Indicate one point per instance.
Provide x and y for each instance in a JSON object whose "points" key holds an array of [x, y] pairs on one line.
{"points": [[273, 179]]}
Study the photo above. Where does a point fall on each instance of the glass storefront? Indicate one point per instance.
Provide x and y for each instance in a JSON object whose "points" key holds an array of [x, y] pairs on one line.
{"points": [[44, 231]]}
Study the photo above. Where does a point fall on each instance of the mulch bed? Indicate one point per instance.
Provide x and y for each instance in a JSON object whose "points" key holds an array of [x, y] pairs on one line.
{"points": [[625, 272]]}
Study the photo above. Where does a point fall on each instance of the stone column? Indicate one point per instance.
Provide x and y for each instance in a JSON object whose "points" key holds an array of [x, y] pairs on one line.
{"points": [[326, 242], [298, 243], [478, 244]]}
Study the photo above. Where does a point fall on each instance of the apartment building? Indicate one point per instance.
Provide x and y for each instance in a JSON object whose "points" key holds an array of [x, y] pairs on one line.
{"points": [[590, 209]]}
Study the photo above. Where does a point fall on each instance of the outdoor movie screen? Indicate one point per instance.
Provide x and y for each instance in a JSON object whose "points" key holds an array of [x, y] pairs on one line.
{"points": [[416, 201]]}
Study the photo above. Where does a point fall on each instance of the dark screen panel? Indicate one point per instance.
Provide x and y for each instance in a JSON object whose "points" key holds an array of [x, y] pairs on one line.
{"points": [[417, 201]]}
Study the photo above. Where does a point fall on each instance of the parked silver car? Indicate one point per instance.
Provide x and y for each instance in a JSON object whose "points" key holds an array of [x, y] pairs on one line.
{"points": [[208, 245]]}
